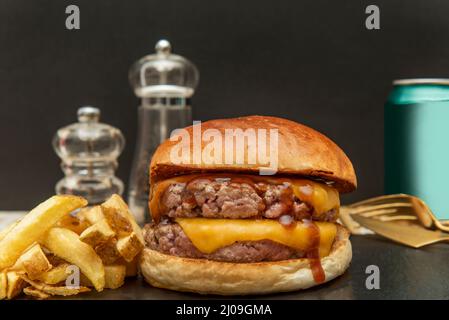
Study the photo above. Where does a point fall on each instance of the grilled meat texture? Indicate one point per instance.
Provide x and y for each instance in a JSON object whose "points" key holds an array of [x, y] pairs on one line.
{"points": [[224, 198], [169, 238]]}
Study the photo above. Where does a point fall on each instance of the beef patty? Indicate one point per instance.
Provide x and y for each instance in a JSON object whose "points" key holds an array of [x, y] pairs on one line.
{"points": [[225, 198], [169, 238]]}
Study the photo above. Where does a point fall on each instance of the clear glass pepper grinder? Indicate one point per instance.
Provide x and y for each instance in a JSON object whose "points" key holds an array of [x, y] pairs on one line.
{"points": [[165, 82], [89, 151]]}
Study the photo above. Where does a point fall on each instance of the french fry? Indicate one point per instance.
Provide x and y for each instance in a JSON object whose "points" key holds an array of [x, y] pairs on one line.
{"points": [[36, 252], [129, 246], [33, 262], [130, 240], [3, 285], [15, 284], [91, 214], [36, 293], [34, 225], [120, 218], [5, 231], [55, 275], [108, 251], [72, 223], [118, 223], [55, 290], [114, 276], [67, 245], [98, 233], [54, 260]]}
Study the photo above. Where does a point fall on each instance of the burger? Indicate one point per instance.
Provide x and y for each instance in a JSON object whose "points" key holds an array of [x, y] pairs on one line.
{"points": [[222, 227]]}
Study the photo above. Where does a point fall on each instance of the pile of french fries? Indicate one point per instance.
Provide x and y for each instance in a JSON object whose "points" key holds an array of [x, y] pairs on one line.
{"points": [[53, 251]]}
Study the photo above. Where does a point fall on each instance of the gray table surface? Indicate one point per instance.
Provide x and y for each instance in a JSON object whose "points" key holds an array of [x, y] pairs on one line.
{"points": [[405, 273]]}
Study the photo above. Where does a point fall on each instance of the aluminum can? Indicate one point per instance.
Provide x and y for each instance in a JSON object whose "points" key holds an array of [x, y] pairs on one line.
{"points": [[416, 141]]}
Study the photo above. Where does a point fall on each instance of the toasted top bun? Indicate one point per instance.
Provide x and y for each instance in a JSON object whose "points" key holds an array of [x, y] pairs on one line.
{"points": [[226, 278], [302, 151]]}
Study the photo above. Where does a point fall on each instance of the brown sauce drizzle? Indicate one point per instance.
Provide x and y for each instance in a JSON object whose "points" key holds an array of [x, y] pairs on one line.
{"points": [[314, 254]]}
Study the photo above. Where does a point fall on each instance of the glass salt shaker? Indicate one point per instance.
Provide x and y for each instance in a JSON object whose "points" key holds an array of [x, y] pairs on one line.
{"points": [[165, 82], [89, 151]]}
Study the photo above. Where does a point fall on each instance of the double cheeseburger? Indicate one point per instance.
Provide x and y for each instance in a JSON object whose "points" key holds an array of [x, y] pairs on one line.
{"points": [[224, 229]]}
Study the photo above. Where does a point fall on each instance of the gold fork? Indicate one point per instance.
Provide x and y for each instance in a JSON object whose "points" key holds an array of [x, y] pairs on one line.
{"points": [[395, 207], [412, 235]]}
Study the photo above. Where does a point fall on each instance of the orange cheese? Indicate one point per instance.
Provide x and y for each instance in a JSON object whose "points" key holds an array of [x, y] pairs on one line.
{"points": [[320, 196], [208, 235]]}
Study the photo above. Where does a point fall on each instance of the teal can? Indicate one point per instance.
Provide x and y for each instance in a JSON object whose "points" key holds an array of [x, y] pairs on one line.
{"points": [[416, 141]]}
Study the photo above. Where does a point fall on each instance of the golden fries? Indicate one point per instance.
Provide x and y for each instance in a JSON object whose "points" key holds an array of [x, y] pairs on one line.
{"points": [[129, 246], [91, 214], [108, 251], [98, 233], [66, 244], [5, 231], [119, 217], [37, 253], [33, 262], [130, 240], [120, 224], [55, 290], [55, 275], [30, 291], [72, 223], [34, 225], [15, 284], [3, 285], [114, 276]]}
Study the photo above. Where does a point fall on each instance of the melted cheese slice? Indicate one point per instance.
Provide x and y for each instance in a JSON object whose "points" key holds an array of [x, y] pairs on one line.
{"points": [[208, 235], [318, 195]]}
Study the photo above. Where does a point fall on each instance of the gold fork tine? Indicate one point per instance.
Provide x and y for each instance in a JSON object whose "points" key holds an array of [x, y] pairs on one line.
{"points": [[378, 213], [388, 215], [395, 207], [399, 217], [361, 209], [385, 198], [401, 198]]}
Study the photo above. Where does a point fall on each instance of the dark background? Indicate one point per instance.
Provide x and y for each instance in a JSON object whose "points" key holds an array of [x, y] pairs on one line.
{"points": [[312, 61]]}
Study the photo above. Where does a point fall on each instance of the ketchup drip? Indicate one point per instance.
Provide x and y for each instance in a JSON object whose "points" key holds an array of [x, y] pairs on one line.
{"points": [[314, 254]]}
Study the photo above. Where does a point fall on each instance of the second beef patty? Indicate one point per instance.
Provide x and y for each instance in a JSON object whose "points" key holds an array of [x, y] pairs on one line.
{"points": [[169, 238]]}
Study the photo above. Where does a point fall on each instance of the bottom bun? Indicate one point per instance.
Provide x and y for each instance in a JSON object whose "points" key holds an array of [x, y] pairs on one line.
{"points": [[226, 278]]}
